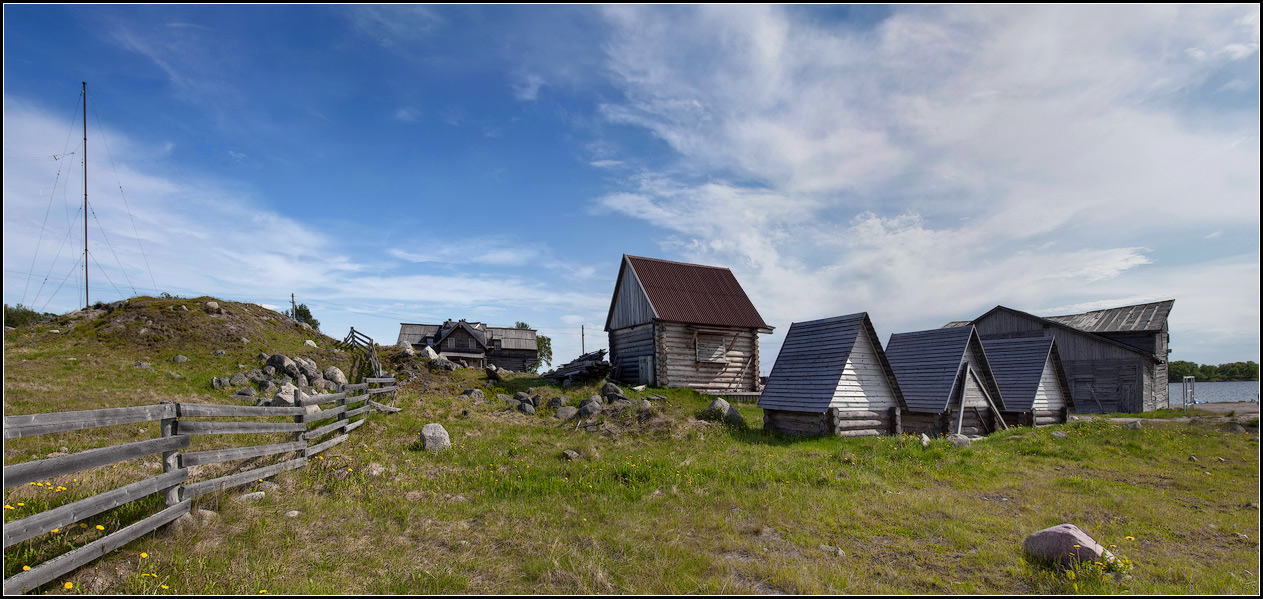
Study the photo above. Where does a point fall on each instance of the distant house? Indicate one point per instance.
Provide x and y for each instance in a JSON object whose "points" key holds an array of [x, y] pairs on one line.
{"points": [[1115, 359], [1031, 378], [946, 380], [474, 344], [673, 324], [832, 377]]}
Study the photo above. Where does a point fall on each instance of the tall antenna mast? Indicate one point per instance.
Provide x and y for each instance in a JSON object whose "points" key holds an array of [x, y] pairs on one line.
{"points": [[86, 302]]}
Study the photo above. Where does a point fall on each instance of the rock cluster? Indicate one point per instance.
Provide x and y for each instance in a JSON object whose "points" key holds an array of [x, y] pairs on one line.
{"points": [[280, 377]]}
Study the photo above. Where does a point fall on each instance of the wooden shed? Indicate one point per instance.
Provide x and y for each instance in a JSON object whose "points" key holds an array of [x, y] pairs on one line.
{"points": [[1115, 359], [832, 377], [474, 344], [946, 381], [673, 324], [1031, 379]]}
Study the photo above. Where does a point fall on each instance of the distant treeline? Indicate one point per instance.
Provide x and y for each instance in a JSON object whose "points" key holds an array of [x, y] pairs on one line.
{"points": [[1233, 371]]}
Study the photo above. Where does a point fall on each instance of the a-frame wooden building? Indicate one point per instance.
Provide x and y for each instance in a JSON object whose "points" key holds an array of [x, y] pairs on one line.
{"points": [[1031, 379], [946, 380]]}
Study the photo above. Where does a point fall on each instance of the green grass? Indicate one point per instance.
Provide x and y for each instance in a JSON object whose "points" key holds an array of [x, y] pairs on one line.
{"points": [[672, 504]]}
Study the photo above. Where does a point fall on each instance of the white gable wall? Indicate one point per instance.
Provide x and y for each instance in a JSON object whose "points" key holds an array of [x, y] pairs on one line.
{"points": [[1050, 395], [863, 384]]}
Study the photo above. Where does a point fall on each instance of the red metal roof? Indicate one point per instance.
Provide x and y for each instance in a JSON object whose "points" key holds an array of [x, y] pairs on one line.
{"points": [[695, 294]]}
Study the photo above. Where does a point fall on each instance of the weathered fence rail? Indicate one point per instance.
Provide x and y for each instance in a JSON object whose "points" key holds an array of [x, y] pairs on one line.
{"points": [[177, 430]]}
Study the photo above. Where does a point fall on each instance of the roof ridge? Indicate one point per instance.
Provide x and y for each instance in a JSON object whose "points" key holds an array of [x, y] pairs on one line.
{"points": [[680, 263]]}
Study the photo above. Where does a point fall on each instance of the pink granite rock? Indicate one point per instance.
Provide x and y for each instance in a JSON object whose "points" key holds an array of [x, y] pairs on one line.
{"points": [[1065, 544]]}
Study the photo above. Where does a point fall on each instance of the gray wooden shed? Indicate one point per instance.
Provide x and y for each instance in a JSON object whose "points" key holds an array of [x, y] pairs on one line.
{"points": [[832, 377], [1031, 379], [947, 382], [673, 324]]}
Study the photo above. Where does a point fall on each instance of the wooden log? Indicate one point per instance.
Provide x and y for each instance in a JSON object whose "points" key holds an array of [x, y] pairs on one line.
{"points": [[358, 411], [319, 399], [861, 414], [199, 410], [1047, 421], [197, 427], [170, 459], [319, 447], [58, 517], [241, 478], [324, 430], [355, 387], [214, 456], [382, 390], [58, 422], [356, 424], [896, 421], [860, 424], [323, 414], [862, 433], [27, 472], [381, 379], [68, 562], [382, 408]]}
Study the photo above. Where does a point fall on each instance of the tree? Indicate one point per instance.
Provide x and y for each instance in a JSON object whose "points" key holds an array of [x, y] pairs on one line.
{"points": [[303, 314], [542, 343]]}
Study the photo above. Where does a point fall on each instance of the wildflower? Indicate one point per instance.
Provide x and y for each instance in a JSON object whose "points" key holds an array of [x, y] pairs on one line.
{"points": [[56, 529], [263, 591], [143, 554], [1070, 574], [70, 585], [9, 507], [1130, 538], [165, 586], [25, 568], [99, 527]]}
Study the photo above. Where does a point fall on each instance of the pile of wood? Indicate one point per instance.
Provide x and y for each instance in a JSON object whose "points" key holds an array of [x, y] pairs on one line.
{"points": [[588, 367]]}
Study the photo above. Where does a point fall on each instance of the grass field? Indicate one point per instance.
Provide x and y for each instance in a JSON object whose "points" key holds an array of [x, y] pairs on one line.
{"points": [[670, 504]]}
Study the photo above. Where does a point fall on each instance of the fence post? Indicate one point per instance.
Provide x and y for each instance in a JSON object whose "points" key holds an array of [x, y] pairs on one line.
{"points": [[343, 403], [298, 435], [170, 459]]}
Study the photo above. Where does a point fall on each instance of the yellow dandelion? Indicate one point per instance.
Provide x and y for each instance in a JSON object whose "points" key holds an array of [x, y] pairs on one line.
{"points": [[143, 554], [1130, 538], [9, 507], [165, 586], [69, 585], [263, 591], [82, 525], [25, 568], [99, 527], [56, 529]]}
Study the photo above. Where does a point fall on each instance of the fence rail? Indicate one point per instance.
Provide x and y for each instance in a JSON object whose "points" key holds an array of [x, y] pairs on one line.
{"points": [[177, 433]]}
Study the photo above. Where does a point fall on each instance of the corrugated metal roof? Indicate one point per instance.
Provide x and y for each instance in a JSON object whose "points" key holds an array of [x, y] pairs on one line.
{"points": [[926, 364], [693, 293], [812, 360], [1139, 318], [1018, 365], [956, 323]]}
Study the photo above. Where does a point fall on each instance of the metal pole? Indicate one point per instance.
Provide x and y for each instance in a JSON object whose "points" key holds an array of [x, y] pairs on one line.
{"points": [[583, 349], [86, 302]]}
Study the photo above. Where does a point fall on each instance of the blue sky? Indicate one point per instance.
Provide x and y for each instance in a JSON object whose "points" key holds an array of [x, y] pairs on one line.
{"points": [[411, 164]]}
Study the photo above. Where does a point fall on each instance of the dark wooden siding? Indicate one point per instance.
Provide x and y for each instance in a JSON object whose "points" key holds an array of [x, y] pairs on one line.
{"points": [[517, 360], [627, 346], [631, 305]]}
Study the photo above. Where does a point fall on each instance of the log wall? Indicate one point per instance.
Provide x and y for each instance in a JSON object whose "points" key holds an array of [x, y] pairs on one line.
{"points": [[854, 423], [627, 346], [676, 365]]}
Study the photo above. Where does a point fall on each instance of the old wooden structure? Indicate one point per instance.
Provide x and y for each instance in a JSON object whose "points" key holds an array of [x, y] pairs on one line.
{"points": [[947, 382], [832, 377], [474, 344], [1115, 359], [1031, 379], [673, 324]]}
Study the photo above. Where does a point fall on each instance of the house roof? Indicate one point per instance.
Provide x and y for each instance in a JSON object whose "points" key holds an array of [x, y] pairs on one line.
{"points": [[692, 293], [513, 338], [415, 333], [450, 327], [1147, 318], [1053, 323], [1018, 365], [812, 359], [926, 364]]}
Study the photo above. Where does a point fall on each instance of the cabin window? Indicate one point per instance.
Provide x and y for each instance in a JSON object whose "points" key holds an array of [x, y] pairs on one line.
{"points": [[497, 345], [712, 349]]}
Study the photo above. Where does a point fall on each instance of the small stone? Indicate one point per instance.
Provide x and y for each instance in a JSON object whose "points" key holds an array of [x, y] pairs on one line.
{"points": [[1134, 425], [1221, 460], [1192, 458], [267, 485], [474, 393], [567, 412], [238, 380], [526, 408], [375, 469], [645, 406], [831, 550], [291, 514], [570, 455], [309, 343], [958, 440], [586, 410], [1059, 434], [219, 352], [172, 375], [244, 340], [925, 440], [255, 496]]}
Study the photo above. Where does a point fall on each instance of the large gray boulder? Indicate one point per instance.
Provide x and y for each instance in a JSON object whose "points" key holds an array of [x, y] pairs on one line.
{"points": [[442, 364], [609, 389], [434, 437], [567, 412], [722, 410], [282, 363], [526, 407], [586, 409], [428, 353], [407, 349], [334, 375], [285, 397], [309, 342], [958, 440], [239, 380], [493, 374], [1065, 544], [557, 402], [474, 393]]}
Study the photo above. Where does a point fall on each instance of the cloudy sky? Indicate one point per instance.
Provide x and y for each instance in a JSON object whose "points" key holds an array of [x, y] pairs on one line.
{"points": [[412, 164]]}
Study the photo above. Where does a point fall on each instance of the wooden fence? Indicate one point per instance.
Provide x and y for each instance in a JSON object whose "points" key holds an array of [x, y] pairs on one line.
{"points": [[177, 428]]}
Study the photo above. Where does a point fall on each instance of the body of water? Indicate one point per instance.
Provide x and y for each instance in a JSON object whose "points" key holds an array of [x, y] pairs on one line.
{"points": [[1207, 392]]}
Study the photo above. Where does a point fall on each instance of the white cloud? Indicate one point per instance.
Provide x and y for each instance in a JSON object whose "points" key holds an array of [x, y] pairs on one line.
{"points": [[527, 87], [408, 115]]}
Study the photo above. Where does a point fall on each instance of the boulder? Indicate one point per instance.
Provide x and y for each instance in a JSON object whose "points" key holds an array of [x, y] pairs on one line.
{"points": [[570, 455], [143, 366], [285, 396], [407, 349], [434, 437], [1134, 425], [557, 402], [596, 399], [536, 400], [212, 307], [567, 412], [925, 440], [587, 409], [282, 363], [958, 440], [239, 379], [219, 382], [722, 410], [334, 375], [428, 353], [308, 368], [1064, 544], [521, 396], [474, 393], [309, 342], [610, 389], [492, 374], [246, 393], [179, 359], [645, 405], [526, 408], [442, 364]]}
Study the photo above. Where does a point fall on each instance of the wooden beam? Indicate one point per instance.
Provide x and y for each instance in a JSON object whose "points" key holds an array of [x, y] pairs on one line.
{"points": [[37, 524], [215, 456], [26, 472], [58, 422]]}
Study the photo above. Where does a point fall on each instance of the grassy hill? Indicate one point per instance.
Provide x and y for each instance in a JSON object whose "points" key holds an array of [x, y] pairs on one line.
{"points": [[667, 504]]}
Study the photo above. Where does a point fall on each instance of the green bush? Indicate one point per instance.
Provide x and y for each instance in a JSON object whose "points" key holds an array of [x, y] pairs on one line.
{"points": [[20, 316]]}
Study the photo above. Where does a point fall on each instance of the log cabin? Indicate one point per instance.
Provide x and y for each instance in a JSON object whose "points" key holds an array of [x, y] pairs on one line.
{"points": [[474, 344], [832, 377], [946, 381], [1031, 379], [673, 324]]}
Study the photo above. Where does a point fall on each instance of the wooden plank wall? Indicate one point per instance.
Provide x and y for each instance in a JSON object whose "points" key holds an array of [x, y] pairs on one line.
{"points": [[853, 423], [863, 384], [177, 427], [675, 360], [630, 305], [627, 345]]}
